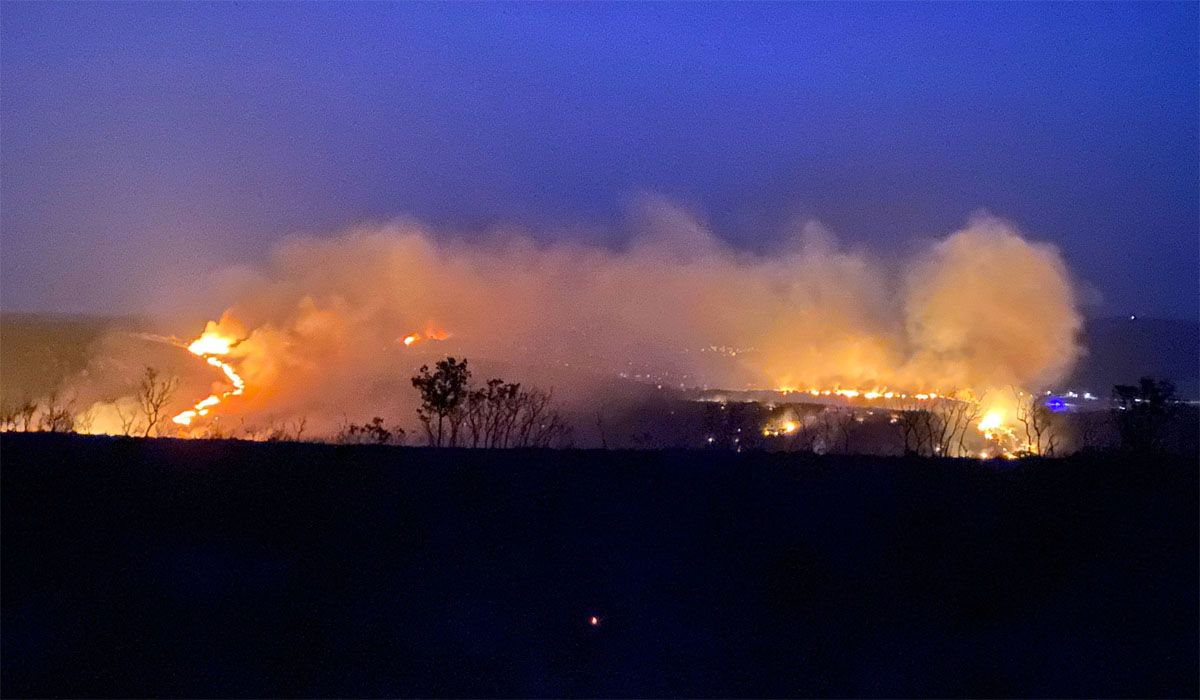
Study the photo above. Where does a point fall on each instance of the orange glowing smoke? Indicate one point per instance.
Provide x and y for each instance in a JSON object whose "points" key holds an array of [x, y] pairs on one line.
{"points": [[210, 345]]}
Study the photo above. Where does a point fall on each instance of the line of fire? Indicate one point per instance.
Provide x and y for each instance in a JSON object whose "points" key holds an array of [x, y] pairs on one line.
{"points": [[874, 420]]}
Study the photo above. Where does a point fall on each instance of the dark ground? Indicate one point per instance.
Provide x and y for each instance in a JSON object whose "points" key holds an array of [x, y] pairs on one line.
{"points": [[151, 568]]}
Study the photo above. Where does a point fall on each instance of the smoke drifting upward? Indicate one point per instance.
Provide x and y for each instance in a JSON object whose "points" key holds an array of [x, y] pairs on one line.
{"points": [[322, 325], [987, 308]]}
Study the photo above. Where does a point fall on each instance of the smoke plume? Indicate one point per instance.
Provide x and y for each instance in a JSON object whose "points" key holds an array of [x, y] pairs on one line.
{"points": [[322, 325]]}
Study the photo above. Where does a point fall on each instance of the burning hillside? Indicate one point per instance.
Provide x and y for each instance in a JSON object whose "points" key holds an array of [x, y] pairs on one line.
{"points": [[332, 327]]}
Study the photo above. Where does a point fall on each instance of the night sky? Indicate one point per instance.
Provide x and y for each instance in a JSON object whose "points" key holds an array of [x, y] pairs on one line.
{"points": [[143, 141]]}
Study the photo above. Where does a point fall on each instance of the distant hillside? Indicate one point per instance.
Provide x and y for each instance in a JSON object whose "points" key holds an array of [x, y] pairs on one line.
{"points": [[1120, 350], [38, 350]]}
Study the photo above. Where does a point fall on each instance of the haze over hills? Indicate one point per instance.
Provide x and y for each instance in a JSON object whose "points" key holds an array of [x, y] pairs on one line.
{"points": [[38, 350]]}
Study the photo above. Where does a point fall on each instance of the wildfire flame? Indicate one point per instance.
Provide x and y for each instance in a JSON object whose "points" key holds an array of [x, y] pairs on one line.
{"points": [[785, 428], [991, 422], [994, 425], [211, 342], [211, 345], [431, 333], [872, 394], [214, 345], [995, 429]]}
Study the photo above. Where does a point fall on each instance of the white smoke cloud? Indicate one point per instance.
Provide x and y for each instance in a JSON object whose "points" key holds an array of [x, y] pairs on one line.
{"points": [[322, 321]]}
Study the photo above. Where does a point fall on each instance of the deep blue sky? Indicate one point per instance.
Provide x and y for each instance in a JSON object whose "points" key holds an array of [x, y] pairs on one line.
{"points": [[144, 139]]}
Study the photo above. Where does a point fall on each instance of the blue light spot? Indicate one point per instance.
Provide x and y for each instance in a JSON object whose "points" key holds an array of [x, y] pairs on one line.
{"points": [[1056, 404]]}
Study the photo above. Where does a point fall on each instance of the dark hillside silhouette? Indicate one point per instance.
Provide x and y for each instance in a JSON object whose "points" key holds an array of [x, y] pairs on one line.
{"points": [[207, 568]]}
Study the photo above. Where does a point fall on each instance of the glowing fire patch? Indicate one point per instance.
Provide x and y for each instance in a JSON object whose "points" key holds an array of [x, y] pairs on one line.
{"points": [[1007, 444], [211, 342], [991, 422], [993, 425], [785, 428]]}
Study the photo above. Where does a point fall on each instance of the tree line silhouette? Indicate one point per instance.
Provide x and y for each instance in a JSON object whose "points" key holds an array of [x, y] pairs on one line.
{"points": [[454, 413], [1144, 417]]}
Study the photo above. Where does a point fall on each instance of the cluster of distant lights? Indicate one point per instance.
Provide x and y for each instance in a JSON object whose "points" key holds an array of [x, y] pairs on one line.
{"points": [[1055, 401], [1058, 403], [726, 350]]}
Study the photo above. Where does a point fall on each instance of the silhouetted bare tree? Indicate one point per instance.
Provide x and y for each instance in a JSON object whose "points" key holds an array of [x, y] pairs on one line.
{"points": [[83, 422], [503, 415], [56, 417], [537, 424], [19, 418], [915, 430], [153, 394], [804, 439], [833, 428], [949, 421], [127, 416], [1041, 430], [938, 428], [491, 413]]}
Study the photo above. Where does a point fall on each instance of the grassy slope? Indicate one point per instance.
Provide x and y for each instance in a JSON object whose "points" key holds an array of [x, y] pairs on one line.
{"points": [[150, 568]]}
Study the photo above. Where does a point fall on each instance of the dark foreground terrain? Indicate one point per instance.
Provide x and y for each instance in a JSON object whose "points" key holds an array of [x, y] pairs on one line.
{"points": [[151, 568]]}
